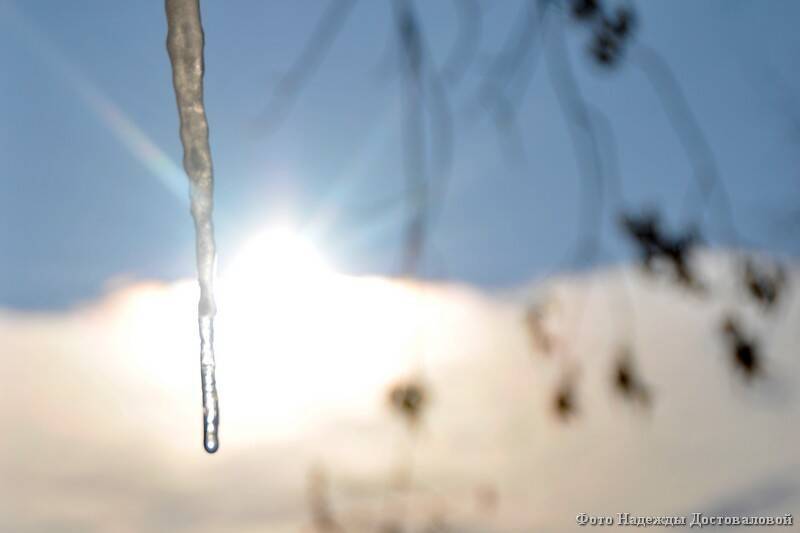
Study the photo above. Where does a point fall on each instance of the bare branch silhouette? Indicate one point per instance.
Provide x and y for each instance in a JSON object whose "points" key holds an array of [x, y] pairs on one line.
{"points": [[313, 53], [690, 135], [587, 151], [414, 138], [513, 69], [465, 47], [424, 96]]}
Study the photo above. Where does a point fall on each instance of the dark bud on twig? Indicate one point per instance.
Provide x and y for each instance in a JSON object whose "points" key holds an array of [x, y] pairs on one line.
{"points": [[747, 359], [627, 382], [743, 351], [605, 49], [584, 9], [622, 23], [564, 406], [408, 399], [763, 284], [611, 34], [656, 246]]}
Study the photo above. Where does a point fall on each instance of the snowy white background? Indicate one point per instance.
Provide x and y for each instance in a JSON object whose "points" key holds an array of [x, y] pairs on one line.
{"points": [[102, 424]]}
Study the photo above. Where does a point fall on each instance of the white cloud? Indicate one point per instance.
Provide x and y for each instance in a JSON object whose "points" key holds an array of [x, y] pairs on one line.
{"points": [[101, 422]]}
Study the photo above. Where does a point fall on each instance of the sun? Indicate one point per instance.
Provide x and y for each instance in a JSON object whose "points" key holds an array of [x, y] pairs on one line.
{"points": [[297, 339], [297, 342], [279, 263]]}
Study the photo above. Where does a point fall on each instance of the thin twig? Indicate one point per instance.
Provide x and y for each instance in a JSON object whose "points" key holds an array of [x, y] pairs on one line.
{"points": [[314, 51]]}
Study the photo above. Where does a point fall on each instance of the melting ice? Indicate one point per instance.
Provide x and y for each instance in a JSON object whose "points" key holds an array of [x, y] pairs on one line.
{"points": [[185, 47]]}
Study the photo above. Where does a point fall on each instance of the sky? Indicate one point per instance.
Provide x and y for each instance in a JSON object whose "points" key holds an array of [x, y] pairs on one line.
{"points": [[101, 403], [91, 188]]}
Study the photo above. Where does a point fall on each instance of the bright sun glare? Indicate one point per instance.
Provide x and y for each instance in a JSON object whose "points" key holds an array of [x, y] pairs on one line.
{"points": [[300, 336], [279, 263], [295, 339]]}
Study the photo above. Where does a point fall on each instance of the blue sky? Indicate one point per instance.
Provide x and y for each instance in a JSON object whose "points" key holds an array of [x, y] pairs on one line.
{"points": [[79, 208]]}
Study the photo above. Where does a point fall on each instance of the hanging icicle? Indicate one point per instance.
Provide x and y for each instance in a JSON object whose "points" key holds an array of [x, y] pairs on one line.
{"points": [[185, 48]]}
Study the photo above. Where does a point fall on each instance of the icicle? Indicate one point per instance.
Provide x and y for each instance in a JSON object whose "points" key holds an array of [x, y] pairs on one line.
{"points": [[185, 47]]}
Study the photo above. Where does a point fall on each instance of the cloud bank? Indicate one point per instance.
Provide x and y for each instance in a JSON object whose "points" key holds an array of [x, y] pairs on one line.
{"points": [[102, 427]]}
